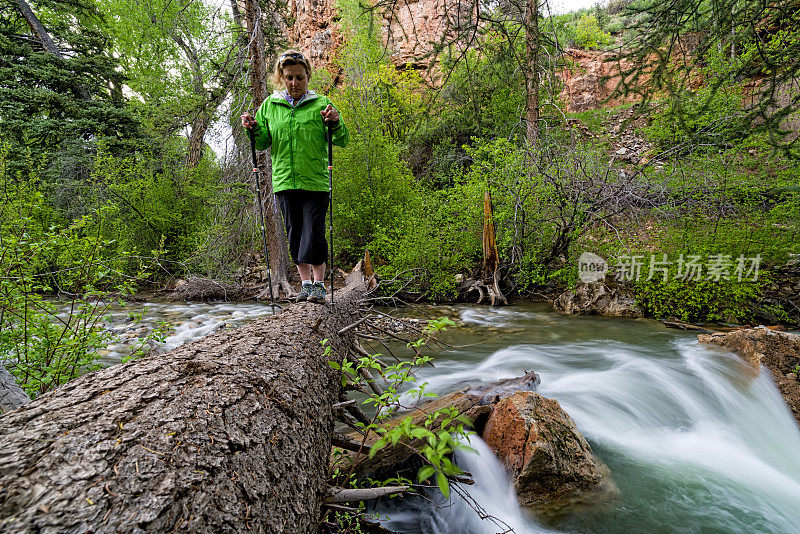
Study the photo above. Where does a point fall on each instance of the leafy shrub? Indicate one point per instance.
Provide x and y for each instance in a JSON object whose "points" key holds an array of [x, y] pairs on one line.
{"points": [[149, 205], [587, 33], [615, 25], [706, 300], [44, 343], [440, 239], [618, 6]]}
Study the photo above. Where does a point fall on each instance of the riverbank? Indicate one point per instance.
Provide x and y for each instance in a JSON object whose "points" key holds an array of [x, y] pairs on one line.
{"points": [[777, 302]]}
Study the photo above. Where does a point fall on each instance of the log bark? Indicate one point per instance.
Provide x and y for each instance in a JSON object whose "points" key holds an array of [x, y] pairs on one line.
{"points": [[11, 395], [227, 434]]}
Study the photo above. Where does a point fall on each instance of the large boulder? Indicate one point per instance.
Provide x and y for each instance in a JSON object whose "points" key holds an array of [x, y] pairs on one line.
{"points": [[551, 464], [598, 298], [778, 351]]}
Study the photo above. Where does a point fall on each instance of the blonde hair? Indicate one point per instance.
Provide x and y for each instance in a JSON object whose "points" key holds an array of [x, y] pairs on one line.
{"points": [[283, 60]]}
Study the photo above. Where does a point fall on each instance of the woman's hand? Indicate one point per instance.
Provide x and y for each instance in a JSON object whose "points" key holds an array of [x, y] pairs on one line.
{"points": [[248, 121], [329, 114]]}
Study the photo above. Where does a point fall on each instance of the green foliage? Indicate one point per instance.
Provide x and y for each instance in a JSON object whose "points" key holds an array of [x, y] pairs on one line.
{"points": [[615, 25], [146, 205], [442, 239], [739, 39], [177, 57], [46, 343], [740, 201], [434, 447], [588, 35], [709, 117], [374, 190], [54, 110], [706, 300], [580, 29]]}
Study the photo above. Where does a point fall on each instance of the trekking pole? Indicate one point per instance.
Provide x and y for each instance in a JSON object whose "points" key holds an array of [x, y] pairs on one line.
{"points": [[256, 172], [330, 192]]}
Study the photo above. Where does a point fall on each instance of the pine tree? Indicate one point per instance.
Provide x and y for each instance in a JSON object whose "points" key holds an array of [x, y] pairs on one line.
{"points": [[60, 94]]}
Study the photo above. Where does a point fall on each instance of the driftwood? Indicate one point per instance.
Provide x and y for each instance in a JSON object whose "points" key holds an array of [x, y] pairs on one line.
{"points": [[203, 289], [402, 460], [680, 325], [231, 433], [486, 290]]}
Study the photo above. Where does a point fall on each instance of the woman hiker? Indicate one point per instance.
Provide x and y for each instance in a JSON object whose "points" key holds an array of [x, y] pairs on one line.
{"points": [[292, 122]]}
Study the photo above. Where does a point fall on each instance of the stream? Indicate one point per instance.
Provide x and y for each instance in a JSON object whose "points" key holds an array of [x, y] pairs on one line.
{"points": [[695, 441]]}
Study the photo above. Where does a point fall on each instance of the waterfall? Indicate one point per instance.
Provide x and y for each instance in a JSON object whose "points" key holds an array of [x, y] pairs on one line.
{"points": [[695, 439]]}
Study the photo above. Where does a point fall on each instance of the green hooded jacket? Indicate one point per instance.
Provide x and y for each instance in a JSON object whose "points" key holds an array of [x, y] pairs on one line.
{"points": [[298, 140]]}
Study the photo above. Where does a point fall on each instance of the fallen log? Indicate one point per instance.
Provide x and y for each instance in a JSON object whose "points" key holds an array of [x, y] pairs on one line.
{"points": [[227, 434], [11, 395], [345, 495], [551, 464]]}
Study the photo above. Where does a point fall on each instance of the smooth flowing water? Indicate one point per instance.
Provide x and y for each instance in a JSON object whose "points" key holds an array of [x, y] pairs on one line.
{"points": [[188, 322], [694, 439]]}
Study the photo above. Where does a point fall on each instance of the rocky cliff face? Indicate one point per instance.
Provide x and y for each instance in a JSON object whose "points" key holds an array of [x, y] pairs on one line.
{"points": [[315, 31], [408, 33], [589, 79], [411, 31]]}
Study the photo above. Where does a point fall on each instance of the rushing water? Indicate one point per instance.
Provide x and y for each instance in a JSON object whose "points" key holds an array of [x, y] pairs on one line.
{"points": [[188, 322], [696, 442]]}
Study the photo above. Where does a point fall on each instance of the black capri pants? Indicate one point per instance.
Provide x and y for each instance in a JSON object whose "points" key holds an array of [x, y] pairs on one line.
{"points": [[304, 218]]}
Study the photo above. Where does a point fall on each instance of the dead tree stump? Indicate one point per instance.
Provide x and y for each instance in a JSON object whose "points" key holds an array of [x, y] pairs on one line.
{"points": [[228, 434]]}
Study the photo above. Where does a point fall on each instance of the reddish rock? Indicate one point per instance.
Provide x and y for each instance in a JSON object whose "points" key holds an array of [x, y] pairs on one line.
{"points": [[551, 464], [777, 351], [415, 26], [315, 33], [409, 32], [590, 78]]}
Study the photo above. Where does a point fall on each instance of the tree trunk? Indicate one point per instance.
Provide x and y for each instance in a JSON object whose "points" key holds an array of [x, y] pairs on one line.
{"points": [[278, 248], [11, 395], [231, 433], [38, 29], [532, 72], [48, 44], [197, 139], [491, 258]]}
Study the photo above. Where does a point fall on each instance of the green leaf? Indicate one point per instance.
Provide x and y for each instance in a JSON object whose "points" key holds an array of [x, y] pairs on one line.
{"points": [[444, 486], [381, 443], [425, 472], [420, 433]]}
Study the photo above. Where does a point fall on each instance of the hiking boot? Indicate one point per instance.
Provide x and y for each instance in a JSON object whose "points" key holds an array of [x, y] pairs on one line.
{"points": [[317, 293], [305, 291]]}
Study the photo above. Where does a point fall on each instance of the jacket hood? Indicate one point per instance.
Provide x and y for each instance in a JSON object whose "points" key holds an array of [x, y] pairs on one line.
{"points": [[279, 95]]}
